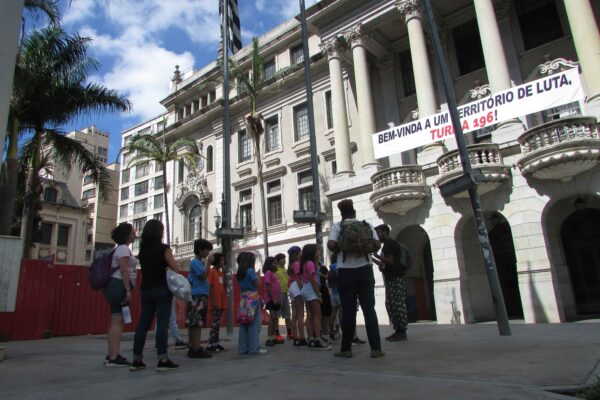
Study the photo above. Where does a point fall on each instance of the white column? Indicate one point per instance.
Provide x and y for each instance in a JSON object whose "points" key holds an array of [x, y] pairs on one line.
{"points": [[587, 43], [357, 38], [10, 22], [338, 105]]}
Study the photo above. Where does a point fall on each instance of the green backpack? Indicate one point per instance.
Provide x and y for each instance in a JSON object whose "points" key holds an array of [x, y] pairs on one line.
{"points": [[356, 237]]}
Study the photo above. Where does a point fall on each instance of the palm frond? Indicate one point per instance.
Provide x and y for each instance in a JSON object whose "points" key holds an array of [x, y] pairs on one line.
{"points": [[48, 7]]}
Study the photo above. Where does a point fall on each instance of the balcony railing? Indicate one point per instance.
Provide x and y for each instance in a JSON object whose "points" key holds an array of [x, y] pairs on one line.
{"points": [[399, 189], [183, 250], [485, 157], [560, 149]]}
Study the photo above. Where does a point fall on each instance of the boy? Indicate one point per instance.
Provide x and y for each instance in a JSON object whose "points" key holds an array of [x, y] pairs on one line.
{"points": [[196, 311]]}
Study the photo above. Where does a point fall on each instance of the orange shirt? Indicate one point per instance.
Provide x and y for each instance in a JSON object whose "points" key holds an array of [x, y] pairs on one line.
{"points": [[216, 280]]}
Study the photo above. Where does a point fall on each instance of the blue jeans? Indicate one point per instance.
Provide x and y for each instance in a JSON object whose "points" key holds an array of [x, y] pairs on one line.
{"points": [[358, 284], [249, 336], [155, 301]]}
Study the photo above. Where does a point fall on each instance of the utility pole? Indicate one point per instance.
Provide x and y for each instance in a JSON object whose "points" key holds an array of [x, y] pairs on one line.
{"points": [[469, 182]]}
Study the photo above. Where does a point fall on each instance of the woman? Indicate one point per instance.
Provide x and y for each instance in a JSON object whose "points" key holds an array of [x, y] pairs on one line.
{"points": [[118, 290], [155, 257], [250, 305]]}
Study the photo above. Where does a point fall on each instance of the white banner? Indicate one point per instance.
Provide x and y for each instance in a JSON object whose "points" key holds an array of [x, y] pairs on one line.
{"points": [[552, 91]]}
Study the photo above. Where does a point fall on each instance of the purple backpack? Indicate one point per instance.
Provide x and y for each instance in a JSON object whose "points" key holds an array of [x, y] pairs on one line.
{"points": [[101, 271]]}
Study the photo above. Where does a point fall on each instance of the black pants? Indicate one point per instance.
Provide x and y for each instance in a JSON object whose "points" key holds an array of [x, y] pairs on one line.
{"points": [[358, 284]]}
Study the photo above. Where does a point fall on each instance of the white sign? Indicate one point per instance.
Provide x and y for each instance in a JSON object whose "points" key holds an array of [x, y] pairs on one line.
{"points": [[552, 91]]}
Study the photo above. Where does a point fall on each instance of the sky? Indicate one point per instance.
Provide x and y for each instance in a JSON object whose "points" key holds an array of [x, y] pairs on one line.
{"points": [[139, 42]]}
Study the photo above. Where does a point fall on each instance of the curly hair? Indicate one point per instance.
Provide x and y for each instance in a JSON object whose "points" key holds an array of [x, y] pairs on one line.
{"points": [[120, 234]]}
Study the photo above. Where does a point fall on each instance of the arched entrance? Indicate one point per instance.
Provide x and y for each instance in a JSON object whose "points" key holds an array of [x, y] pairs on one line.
{"points": [[580, 234]]}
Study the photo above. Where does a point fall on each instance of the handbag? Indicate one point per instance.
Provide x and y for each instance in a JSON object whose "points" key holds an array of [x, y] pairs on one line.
{"points": [[248, 305]]}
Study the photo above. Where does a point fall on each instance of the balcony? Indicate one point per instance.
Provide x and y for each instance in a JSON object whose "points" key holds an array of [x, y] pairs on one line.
{"points": [[399, 189], [560, 149], [484, 157], [183, 250]]}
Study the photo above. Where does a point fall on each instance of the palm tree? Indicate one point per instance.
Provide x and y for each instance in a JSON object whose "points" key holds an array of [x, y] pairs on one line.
{"points": [[149, 148], [50, 89], [253, 85], [8, 175]]}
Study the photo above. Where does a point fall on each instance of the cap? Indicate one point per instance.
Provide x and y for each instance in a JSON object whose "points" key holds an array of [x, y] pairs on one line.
{"points": [[294, 250]]}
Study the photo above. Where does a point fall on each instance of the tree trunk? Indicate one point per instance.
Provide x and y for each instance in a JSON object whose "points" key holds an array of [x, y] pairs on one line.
{"points": [[9, 180], [165, 197], [31, 196], [263, 205]]}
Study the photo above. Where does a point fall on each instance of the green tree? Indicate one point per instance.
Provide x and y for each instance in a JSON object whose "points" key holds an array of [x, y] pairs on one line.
{"points": [[9, 173], [145, 148], [50, 89]]}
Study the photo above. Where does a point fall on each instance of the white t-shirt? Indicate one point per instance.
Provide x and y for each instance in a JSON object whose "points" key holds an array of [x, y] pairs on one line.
{"points": [[353, 260], [121, 251]]}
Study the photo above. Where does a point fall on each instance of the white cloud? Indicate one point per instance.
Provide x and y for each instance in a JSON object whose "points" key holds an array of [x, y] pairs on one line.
{"points": [[79, 10], [281, 8]]}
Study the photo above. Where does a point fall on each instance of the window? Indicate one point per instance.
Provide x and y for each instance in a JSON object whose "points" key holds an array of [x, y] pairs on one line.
{"points": [[141, 188], [51, 195], [158, 216], [305, 193], [301, 122], [91, 207], [139, 223], [467, 44], [539, 22], [565, 111], [245, 149], [103, 151], [180, 171], [272, 137], [142, 170], [212, 96], [297, 55], [90, 238], [125, 193], [270, 69], [408, 74], [127, 140], [158, 201], [126, 157], [328, 110], [158, 166], [274, 207], [88, 255], [140, 206], [88, 179], [123, 210], [46, 233], [194, 223], [63, 236], [158, 182], [246, 209], [209, 159], [125, 176], [87, 194], [160, 126]]}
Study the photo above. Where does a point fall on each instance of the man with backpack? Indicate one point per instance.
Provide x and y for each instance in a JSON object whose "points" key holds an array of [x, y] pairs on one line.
{"points": [[393, 261], [354, 241]]}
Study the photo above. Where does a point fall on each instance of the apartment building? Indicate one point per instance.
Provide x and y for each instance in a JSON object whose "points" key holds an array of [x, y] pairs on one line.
{"points": [[372, 69]]}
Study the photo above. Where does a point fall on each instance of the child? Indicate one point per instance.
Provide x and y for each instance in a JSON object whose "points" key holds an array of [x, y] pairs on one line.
{"points": [[272, 297], [311, 292], [196, 312], [217, 301], [284, 310], [250, 306], [295, 292]]}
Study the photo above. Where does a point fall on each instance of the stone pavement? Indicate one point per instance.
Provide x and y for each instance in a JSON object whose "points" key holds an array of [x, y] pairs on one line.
{"points": [[437, 362]]}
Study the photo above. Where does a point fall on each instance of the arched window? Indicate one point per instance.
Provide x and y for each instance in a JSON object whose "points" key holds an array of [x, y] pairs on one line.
{"points": [[209, 159], [51, 195], [194, 223]]}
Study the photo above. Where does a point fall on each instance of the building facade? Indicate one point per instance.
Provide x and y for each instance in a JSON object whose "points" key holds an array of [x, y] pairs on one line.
{"points": [[372, 68]]}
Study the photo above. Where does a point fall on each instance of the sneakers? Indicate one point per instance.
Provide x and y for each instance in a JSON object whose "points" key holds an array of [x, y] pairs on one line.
{"points": [[259, 352], [119, 361], [279, 340], [397, 337], [300, 342], [137, 365], [212, 348], [332, 338], [377, 353], [357, 341], [164, 366], [343, 354], [180, 344], [318, 345], [270, 343], [200, 353], [324, 339]]}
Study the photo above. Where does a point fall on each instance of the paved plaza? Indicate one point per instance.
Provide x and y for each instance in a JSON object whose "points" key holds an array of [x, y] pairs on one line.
{"points": [[437, 362]]}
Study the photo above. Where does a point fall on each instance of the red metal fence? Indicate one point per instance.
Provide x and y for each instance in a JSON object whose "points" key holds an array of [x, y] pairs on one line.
{"points": [[56, 300]]}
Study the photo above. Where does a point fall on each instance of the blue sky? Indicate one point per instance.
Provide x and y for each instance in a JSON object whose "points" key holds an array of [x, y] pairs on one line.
{"points": [[139, 42]]}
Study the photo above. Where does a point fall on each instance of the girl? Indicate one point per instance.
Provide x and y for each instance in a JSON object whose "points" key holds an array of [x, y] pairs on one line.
{"points": [[250, 306], [118, 290], [217, 300], [311, 292], [272, 296], [295, 292]]}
